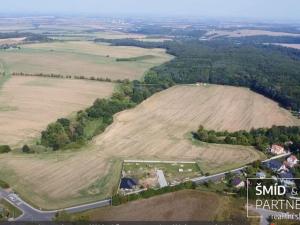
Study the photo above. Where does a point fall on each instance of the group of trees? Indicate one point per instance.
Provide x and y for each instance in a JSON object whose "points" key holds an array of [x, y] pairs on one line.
{"points": [[30, 37], [261, 138], [77, 77], [4, 149]]}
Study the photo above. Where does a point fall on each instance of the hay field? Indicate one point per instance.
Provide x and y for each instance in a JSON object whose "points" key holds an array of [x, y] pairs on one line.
{"points": [[156, 129], [29, 104], [82, 58], [186, 205], [247, 33], [10, 41]]}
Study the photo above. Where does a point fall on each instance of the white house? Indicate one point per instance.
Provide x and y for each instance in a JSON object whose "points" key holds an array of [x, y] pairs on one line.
{"points": [[277, 149]]}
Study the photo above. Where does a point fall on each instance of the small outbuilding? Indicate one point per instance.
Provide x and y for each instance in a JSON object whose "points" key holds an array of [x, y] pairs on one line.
{"points": [[237, 182]]}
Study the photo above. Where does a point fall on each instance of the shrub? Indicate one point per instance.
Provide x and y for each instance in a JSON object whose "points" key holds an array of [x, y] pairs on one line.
{"points": [[4, 149], [26, 149], [3, 184]]}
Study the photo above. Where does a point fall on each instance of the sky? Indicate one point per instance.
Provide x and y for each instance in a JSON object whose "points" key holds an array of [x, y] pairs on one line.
{"points": [[253, 9]]}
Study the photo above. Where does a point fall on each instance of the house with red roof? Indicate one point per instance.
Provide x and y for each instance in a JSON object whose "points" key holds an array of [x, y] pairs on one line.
{"points": [[277, 149], [292, 161]]}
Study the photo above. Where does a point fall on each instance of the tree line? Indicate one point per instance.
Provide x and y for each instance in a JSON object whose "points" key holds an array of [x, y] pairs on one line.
{"points": [[60, 76], [260, 138]]}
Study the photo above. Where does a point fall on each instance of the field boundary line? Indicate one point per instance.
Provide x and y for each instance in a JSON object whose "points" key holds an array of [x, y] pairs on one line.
{"points": [[157, 161]]}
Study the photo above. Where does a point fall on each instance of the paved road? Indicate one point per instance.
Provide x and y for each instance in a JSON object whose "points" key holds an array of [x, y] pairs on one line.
{"points": [[216, 177], [220, 176], [32, 214]]}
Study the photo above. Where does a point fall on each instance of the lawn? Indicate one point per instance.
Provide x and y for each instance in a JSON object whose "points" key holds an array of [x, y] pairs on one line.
{"points": [[171, 170]]}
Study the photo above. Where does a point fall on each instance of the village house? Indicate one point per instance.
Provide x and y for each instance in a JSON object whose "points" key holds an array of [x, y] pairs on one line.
{"points": [[292, 161], [277, 149], [273, 165], [287, 179], [128, 183], [238, 182], [284, 167]]}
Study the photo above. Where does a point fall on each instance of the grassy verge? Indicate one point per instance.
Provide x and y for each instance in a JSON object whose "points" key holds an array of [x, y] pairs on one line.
{"points": [[9, 211]]}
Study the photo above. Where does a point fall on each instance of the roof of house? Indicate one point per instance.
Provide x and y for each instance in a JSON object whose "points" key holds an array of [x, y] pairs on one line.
{"points": [[161, 178], [293, 158], [286, 175], [277, 146], [273, 164], [127, 183], [260, 174], [236, 181]]}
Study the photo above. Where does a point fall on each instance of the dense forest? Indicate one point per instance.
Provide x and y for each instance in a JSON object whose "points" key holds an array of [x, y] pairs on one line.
{"points": [[273, 71], [260, 138]]}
